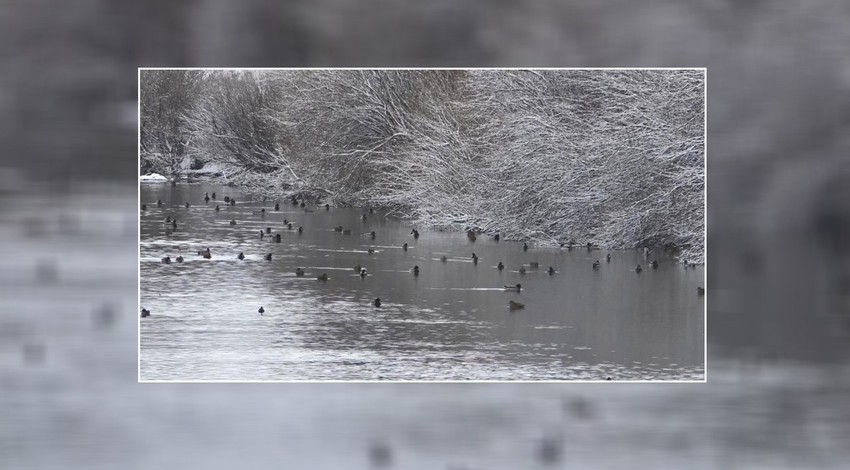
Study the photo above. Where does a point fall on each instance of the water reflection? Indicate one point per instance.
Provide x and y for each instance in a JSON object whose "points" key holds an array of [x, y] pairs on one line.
{"points": [[449, 322]]}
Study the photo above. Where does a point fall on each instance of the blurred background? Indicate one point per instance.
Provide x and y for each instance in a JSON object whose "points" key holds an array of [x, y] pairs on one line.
{"points": [[778, 246]]}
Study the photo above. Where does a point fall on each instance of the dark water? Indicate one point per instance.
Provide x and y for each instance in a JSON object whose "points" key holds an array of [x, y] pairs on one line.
{"points": [[452, 322]]}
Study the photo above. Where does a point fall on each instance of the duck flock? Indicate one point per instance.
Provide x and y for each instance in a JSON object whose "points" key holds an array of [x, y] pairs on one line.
{"points": [[171, 225]]}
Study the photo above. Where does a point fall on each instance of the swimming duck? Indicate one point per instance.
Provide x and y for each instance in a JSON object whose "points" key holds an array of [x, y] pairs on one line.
{"points": [[299, 272], [206, 197], [202, 252], [261, 310], [474, 258], [415, 234], [262, 212], [608, 258], [364, 217], [363, 273], [443, 258], [174, 224], [226, 198], [241, 256], [213, 196], [377, 302], [300, 229], [261, 234], [268, 257], [187, 205], [371, 250], [515, 288], [144, 207], [515, 305], [217, 208], [277, 238], [327, 207], [596, 264], [179, 259], [207, 254], [268, 230], [289, 226], [522, 270], [496, 237], [303, 205], [638, 269], [276, 206], [700, 291], [285, 222], [145, 312], [166, 260], [159, 203], [404, 247], [471, 235], [322, 277], [416, 270], [551, 271], [373, 235], [654, 264], [589, 246], [525, 247], [232, 202], [534, 265], [338, 228], [501, 266]]}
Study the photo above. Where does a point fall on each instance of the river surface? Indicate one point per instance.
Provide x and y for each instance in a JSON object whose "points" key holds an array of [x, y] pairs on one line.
{"points": [[451, 322]]}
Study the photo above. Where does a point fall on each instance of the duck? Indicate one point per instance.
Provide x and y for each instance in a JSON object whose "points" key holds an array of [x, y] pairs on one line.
{"points": [[515, 305], [700, 291], [232, 221], [373, 235], [534, 265], [551, 271], [377, 302], [268, 230], [363, 273], [268, 257], [289, 226], [474, 258], [415, 270], [232, 202], [202, 252], [227, 199], [415, 234], [261, 310], [525, 247], [206, 197], [471, 235], [217, 208], [515, 288], [338, 228], [654, 264], [364, 217], [207, 254], [241, 256], [285, 222], [144, 207], [346, 231], [262, 212], [322, 277], [596, 264], [370, 250], [496, 237], [638, 269], [174, 224], [187, 205], [276, 206], [300, 229], [262, 234], [404, 247], [159, 203], [327, 207], [213, 196], [608, 258], [303, 204], [166, 260], [522, 270], [277, 238], [589, 246], [179, 259], [444, 258], [145, 312], [299, 272], [501, 266]]}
